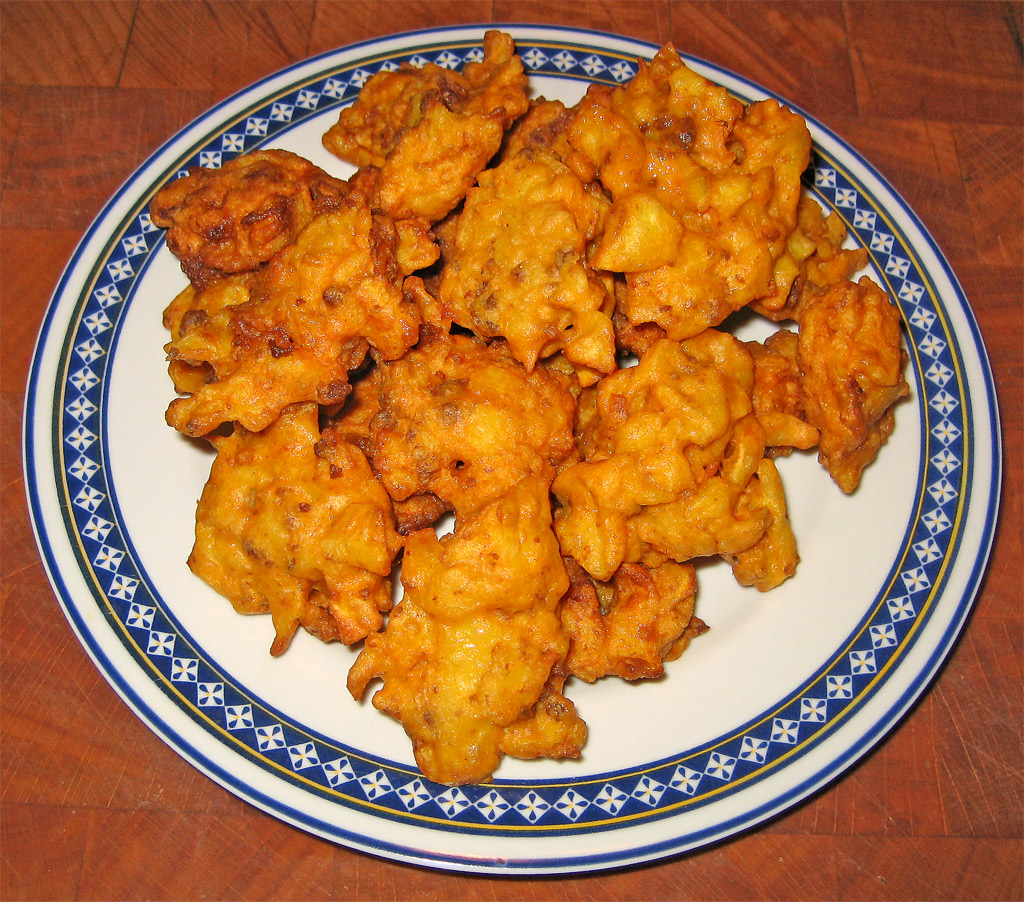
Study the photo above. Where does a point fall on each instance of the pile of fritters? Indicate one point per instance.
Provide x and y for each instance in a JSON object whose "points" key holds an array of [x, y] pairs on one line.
{"points": [[454, 328]]}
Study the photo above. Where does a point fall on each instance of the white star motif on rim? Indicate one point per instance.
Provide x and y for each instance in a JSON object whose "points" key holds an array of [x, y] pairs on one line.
{"points": [[448, 60], [534, 59], [900, 608], [813, 710], [720, 766], [946, 432], [359, 78], [108, 558], [334, 88], [81, 409], [108, 295], [452, 801], [270, 737], [648, 791], [897, 266], [754, 749], [84, 379], [936, 521], [233, 143], [932, 345], [338, 771], [839, 686], [685, 779], [99, 322], [786, 731], [123, 587], [532, 807], [865, 219], [592, 65], [846, 197], [97, 528], [927, 550], [140, 616], [161, 644], [282, 112], [922, 318], [563, 61], [825, 178], [184, 670], [939, 373], [882, 242], [80, 438], [238, 717], [883, 635], [610, 799], [210, 159], [862, 661], [89, 499], [134, 245], [413, 794], [946, 461], [944, 403], [119, 270], [83, 469], [942, 491], [911, 291], [915, 580], [571, 805], [256, 126], [308, 100], [90, 350], [303, 755], [209, 695], [492, 805], [622, 71]]}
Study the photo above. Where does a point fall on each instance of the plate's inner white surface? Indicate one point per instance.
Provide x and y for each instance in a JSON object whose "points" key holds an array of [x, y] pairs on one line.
{"points": [[760, 647]]}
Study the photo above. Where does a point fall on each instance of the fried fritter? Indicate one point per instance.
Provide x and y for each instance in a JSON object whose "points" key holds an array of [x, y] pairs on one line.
{"points": [[468, 653], [668, 453], [313, 313], [814, 260], [295, 524], [773, 558], [235, 218], [543, 127], [851, 361], [519, 268], [192, 306], [704, 192], [632, 625], [463, 421], [778, 394], [430, 130]]}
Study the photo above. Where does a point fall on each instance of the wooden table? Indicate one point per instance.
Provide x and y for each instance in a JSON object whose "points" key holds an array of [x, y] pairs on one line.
{"points": [[96, 806]]}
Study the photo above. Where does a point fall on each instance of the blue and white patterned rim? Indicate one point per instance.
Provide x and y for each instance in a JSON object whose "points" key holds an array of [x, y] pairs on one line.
{"points": [[85, 341]]}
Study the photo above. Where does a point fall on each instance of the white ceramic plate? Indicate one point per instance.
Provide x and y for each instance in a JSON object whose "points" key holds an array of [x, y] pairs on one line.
{"points": [[783, 694]]}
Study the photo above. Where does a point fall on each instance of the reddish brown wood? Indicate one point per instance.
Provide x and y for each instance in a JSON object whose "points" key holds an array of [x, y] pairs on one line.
{"points": [[95, 806]]}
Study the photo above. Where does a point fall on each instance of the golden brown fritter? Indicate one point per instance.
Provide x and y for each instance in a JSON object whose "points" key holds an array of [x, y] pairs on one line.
{"points": [[814, 260], [314, 311], [294, 524], [772, 559], [851, 361], [235, 218], [519, 267], [463, 421], [668, 453], [704, 192], [628, 627], [468, 653], [778, 394], [542, 127], [430, 130]]}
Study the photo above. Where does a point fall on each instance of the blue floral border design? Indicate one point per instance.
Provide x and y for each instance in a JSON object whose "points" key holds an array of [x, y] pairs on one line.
{"points": [[352, 778]]}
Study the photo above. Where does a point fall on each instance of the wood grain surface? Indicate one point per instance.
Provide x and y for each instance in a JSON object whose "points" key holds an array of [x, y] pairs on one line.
{"points": [[95, 806]]}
